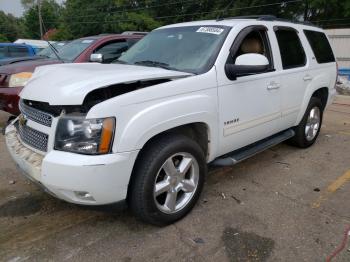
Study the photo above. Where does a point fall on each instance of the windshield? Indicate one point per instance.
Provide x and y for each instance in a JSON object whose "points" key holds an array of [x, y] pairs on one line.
{"points": [[72, 50], [190, 49], [47, 52]]}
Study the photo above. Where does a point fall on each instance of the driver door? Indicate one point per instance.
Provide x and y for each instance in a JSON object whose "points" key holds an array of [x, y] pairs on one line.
{"points": [[250, 104]]}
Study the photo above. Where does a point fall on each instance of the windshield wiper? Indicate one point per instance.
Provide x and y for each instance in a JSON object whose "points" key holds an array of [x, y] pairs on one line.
{"points": [[55, 51], [154, 63], [117, 61]]}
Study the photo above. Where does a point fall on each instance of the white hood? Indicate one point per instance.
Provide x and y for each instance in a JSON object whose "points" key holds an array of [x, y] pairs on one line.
{"points": [[68, 84]]}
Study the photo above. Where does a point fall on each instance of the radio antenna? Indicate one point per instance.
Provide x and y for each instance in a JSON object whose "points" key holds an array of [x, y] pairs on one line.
{"points": [[224, 10]]}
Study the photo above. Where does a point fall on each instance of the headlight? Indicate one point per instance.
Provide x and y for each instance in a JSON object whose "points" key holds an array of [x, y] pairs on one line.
{"points": [[19, 79], [85, 136]]}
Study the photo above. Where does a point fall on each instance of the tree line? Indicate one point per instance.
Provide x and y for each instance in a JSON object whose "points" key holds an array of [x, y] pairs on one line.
{"points": [[78, 18]]}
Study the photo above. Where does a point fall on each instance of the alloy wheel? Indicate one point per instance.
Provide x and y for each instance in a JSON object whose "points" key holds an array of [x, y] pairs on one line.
{"points": [[313, 123], [176, 182]]}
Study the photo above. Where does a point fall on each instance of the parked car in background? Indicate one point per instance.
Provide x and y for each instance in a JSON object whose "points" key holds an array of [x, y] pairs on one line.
{"points": [[10, 50], [100, 48], [38, 45], [186, 95], [40, 55]]}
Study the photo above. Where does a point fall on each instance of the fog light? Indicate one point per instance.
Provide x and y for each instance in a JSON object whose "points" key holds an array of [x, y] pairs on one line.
{"points": [[84, 195]]}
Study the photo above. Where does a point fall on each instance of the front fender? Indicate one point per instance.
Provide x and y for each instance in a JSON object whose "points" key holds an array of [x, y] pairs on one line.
{"points": [[158, 117], [147, 112]]}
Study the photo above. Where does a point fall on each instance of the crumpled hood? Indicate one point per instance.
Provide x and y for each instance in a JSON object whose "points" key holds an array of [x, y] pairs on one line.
{"points": [[68, 84]]}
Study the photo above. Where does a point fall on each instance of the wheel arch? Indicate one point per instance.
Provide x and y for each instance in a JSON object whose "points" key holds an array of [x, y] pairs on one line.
{"points": [[321, 92], [198, 131]]}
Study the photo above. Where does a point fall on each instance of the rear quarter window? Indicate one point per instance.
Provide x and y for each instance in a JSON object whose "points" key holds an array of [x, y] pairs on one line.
{"points": [[320, 46], [291, 49]]}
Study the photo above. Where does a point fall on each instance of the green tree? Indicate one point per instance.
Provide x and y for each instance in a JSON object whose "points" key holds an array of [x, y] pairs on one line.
{"points": [[50, 12], [77, 18], [327, 13], [62, 34], [3, 38], [10, 27], [83, 18]]}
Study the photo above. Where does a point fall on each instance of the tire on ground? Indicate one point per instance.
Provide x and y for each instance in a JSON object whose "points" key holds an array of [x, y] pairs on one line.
{"points": [[300, 139], [140, 196]]}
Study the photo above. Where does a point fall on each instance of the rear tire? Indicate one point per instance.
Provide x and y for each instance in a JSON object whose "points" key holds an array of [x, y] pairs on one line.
{"points": [[309, 128], [167, 180]]}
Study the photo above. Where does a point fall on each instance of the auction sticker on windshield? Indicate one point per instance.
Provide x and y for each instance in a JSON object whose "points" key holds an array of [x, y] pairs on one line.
{"points": [[87, 41], [210, 30]]}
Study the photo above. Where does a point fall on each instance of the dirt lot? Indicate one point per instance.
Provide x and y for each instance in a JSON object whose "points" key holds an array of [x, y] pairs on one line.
{"points": [[285, 204]]}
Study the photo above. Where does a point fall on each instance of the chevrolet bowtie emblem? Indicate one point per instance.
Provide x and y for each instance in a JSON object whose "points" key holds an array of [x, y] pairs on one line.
{"points": [[22, 120]]}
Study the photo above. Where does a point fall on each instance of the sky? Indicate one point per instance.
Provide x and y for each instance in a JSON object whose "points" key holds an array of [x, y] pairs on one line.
{"points": [[14, 7]]}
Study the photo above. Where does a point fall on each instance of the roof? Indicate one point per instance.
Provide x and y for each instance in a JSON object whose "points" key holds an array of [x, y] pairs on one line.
{"points": [[121, 36], [33, 42], [233, 21]]}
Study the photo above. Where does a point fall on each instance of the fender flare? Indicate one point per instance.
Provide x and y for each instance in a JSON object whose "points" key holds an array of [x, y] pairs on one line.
{"points": [[318, 83]]}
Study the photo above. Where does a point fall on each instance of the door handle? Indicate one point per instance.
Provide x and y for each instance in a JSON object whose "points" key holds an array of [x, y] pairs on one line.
{"points": [[273, 85], [307, 78]]}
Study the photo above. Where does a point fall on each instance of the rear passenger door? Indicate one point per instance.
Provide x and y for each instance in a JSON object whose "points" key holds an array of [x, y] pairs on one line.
{"points": [[294, 74]]}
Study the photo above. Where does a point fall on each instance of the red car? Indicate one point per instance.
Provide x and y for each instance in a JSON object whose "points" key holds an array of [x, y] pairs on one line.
{"points": [[100, 48]]}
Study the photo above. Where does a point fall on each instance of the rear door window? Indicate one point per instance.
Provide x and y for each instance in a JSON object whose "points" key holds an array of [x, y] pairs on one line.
{"points": [[291, 49], [18, 51], [320, 46]]}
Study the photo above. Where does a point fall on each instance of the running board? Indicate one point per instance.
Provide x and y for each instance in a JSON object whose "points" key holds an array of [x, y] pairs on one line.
{"points": [[239, 155]]}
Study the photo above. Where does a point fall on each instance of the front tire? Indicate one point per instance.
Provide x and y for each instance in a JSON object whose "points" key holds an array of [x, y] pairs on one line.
{"points": [[167, 180], [309, 128]]}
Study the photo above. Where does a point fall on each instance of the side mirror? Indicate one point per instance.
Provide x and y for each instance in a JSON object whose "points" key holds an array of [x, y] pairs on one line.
{"points": [[96, 58], [247, 64]]}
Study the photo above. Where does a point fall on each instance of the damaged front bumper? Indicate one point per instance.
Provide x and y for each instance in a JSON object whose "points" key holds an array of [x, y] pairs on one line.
{"points": [[80, 179]]}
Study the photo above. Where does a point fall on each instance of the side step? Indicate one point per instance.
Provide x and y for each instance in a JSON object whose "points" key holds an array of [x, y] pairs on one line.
{"points": [[241, 154]]}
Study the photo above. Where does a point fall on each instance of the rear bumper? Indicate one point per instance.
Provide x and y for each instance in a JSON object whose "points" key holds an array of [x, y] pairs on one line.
{"points": [[79, 179], [9, 98]]}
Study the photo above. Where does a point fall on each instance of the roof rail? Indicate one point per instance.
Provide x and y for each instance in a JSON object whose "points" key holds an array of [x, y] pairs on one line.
{"points": [[268, 18]]}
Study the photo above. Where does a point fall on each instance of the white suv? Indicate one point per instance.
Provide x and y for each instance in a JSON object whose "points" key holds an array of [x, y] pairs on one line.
{"points": [[144, 128]]}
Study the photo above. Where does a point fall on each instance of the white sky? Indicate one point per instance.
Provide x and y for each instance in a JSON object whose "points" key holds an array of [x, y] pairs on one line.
{"points": [[14, 6]]}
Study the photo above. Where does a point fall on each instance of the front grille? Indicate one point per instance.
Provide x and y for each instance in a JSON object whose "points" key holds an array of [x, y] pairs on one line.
{"points": [[35, 114], [32, 137]]}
